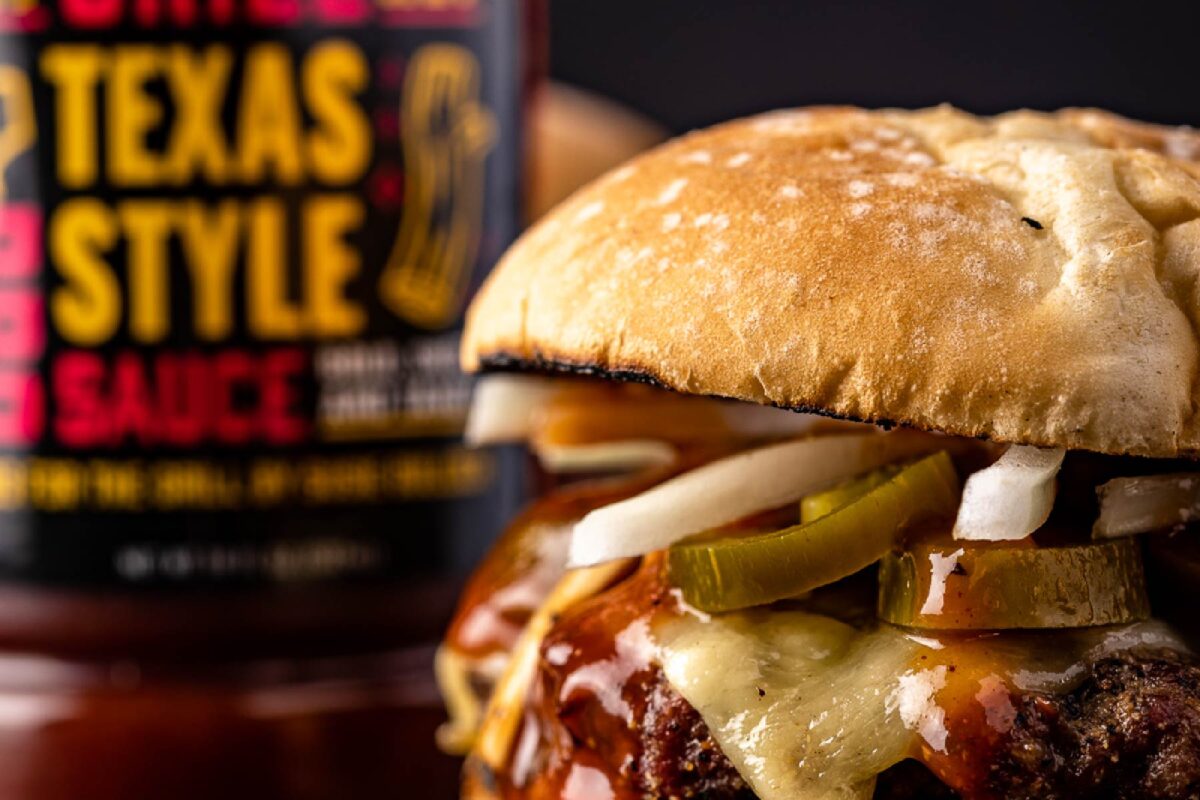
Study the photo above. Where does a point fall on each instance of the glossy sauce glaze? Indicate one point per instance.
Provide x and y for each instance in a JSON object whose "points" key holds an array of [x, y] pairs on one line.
{"points": [[989, 685], [526, 562], [595, 678], [530, 556], [969, 716], [588, 720], [586, 730]]}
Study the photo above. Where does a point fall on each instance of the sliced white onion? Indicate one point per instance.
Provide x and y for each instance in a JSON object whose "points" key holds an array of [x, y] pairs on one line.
{"points": [[603, 456], [505, 408], [734, 487], [1010, 499], [754, 421], [1148, 503]]}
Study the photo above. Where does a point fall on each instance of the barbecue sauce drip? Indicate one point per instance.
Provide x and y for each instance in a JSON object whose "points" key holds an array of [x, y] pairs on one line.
{"points": [[526, 562], [530, 556], [587, 726], [581, 733], [979, 702], [584, 732]]}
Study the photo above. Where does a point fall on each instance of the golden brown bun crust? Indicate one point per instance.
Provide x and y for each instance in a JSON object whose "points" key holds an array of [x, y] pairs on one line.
{"points": [[1030, 277]]}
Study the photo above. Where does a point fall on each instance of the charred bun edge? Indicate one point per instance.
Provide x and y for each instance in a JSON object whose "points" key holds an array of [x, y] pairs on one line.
{"points": [[541, 365]]}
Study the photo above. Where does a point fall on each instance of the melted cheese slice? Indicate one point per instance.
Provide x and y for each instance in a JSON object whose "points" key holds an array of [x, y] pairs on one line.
{"points": [[800, 703], [809, 708]]}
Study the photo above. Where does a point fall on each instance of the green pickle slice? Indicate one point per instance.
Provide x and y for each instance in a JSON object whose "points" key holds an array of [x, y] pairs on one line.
{"points": [[739, 572], [949, 586], [825, 503]]}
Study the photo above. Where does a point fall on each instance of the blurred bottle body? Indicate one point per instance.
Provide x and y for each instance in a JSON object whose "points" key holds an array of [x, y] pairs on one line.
{"points": [[236, 242], [231, 696]]}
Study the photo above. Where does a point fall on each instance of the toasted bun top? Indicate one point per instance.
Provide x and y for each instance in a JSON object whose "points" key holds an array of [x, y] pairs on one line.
{"points": [[1030, 277]]}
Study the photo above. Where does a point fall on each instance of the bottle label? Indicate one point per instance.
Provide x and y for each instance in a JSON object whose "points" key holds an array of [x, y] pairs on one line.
{"points": [[236, 238]]}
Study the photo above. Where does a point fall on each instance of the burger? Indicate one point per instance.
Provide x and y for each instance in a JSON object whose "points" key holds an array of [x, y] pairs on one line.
{"points": [[872, 436]]}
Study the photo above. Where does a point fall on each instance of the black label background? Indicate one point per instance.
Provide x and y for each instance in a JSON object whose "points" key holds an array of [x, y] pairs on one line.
{"points": [[386, 539]]}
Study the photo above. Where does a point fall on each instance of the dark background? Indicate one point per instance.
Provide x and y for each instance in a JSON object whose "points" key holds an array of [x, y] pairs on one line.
{"points": [[691, 62]]}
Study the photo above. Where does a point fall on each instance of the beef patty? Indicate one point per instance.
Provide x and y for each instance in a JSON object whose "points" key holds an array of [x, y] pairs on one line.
{"points": [[1129, 731]]}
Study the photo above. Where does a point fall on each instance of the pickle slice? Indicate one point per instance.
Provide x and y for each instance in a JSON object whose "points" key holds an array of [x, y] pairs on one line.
{"points": [[996, 587], [746, 571], [821, 504]]}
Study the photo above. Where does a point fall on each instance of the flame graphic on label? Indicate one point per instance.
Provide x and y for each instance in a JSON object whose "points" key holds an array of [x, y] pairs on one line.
{"points": [[447, 135]]}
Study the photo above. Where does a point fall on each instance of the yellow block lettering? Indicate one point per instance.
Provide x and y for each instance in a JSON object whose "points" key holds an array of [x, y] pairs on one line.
{"points": [[132, 114], [271, 315], [86, 309], [340, 145], [210, 240], [73, 71], [268, 120], [147, 226], [329, 264], [197, 82]]}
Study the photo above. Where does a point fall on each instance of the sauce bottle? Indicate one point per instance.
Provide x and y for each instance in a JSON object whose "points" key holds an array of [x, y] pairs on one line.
{"points": [[236, 238]]}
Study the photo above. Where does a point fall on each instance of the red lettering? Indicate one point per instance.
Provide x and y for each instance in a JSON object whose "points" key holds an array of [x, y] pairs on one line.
{"points": [[273, 12], [129, 401], [189, 13], [22, 408], [91, 13], [22, 323], [233, 378], [283, 420], [220, 11], [20, 241], [146, 12], [183, 408], [183, 12], [343, 12], [176, 399], [30, 20], [77, 381], [149, 13]]}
